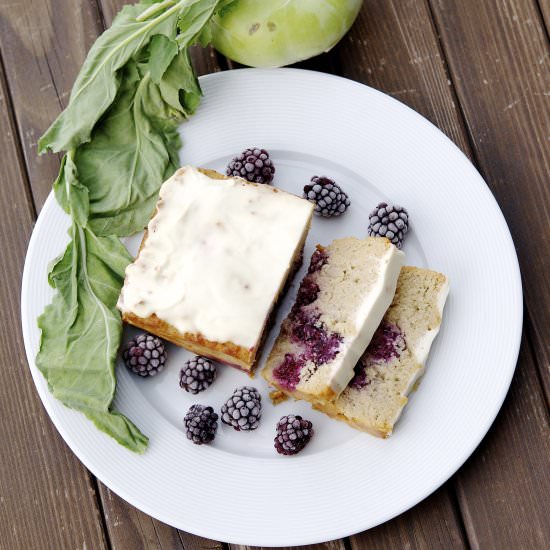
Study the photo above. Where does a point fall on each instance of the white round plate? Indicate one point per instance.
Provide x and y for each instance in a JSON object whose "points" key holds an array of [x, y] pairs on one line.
{"points": [[238, 489]]}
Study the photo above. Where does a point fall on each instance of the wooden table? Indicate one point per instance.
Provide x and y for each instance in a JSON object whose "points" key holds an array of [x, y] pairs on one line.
{"points": [[478, 69]]}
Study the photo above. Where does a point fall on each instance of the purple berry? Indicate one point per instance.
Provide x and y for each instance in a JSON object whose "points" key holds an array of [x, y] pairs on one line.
{"points": [[197, 374], [293, 434], [200, 424], [327, 195], [287, 373], [252, 164], [243, 409], [389, 221], [145, 355]]}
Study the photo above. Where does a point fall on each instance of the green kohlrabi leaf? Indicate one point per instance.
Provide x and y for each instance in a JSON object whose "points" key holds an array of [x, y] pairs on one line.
{"points": [[97, 83], [131, 153], [120, 132], [81, 331], [70, 193], [162, 52]]}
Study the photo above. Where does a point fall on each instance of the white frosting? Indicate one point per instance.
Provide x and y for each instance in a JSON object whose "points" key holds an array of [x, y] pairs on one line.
{"points": [[216, 256], [368, 317], [422, 345]]}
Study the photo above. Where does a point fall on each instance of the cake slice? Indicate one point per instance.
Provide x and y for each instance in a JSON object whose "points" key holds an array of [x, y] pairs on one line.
{"points": [[395, 358], [340, 303], [213, 261]]}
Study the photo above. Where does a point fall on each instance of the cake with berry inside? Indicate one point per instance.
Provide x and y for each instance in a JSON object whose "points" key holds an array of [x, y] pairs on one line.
{"points": [[213, 261], [395, 358], [340, 303]]}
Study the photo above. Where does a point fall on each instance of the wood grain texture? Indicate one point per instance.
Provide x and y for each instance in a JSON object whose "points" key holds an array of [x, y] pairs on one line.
{"points": [[503, 489], [426, 526], [46, 498], [393, 47], [130, 529], [43, 43], [502, 80], [544, 7], [332, 545]]}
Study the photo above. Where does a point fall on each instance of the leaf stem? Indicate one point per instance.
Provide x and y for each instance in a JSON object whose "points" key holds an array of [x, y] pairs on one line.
{"points": [[154, 9]]}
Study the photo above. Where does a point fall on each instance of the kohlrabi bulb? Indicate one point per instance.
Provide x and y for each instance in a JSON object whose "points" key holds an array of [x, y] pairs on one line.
{"points": [[272, 33]]}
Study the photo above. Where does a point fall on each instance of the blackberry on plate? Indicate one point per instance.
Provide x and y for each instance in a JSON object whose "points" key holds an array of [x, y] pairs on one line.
{"points": [[252, 164], [293, 434], [327, 195], [243, 409], [145, 355], [390, 221], [197, 374], [200, 424]]}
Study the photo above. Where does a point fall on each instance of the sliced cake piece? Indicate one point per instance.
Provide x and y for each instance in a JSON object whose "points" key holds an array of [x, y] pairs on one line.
{"points": [[395, 358], [340, 303], [213, 261]]}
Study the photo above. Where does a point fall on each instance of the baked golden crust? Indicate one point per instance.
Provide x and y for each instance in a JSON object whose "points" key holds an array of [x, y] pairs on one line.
{"points": [[225, 352]]}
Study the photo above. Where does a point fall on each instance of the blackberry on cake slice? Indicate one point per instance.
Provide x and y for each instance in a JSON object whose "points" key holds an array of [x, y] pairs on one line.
{"points": [[340, 303], [200, 279], [396, 357]]}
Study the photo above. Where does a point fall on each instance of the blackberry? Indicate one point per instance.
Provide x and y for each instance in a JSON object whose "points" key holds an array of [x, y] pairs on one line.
{"points": [[390, 221], [197, 374], [252, 164], [200, 424], [327, 195], [145, 355], [293, 434], [243, 409]]}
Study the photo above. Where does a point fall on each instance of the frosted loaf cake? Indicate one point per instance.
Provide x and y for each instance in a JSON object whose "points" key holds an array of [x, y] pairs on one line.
{"points": [[340, 303], [212, 263], [395, 359]]}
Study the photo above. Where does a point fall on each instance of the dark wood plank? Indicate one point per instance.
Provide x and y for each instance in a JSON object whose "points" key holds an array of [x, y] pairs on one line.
{"points": [[503, 489], [393, 47], [502, 83], [502, 80], [130, 529], [332, 545], [426, 526], [544, 7], [30, 35], [46, 498], [44, 43]]}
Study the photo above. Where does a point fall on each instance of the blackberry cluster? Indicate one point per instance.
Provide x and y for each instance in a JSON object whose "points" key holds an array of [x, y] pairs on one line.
{"points": [[327, 195], [200, 424], [197, 374], [145, 355], [390, 221], [243, 409], [253, 165], [293, 434]]}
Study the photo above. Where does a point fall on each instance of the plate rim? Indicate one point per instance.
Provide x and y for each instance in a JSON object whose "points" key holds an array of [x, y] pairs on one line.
{"points": [[47, 399]]}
